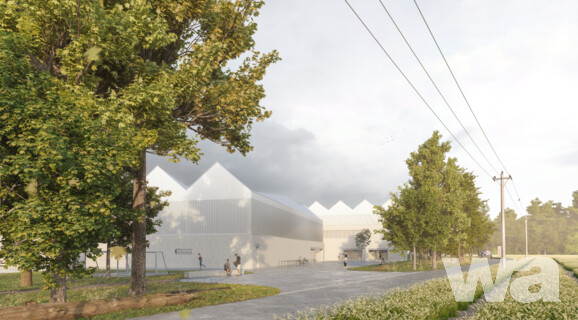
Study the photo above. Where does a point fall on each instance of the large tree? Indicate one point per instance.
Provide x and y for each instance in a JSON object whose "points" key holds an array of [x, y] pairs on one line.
{"points": [[58, 166], [437, 208], [161, 69]]}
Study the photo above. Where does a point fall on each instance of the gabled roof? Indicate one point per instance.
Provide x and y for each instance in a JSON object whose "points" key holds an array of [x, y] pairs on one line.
{"points": [[160, 178], [340, 208], [318, 208], [364, 207], [217, 183]]}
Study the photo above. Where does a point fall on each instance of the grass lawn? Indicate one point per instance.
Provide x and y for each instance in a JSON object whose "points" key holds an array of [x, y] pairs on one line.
{"points": [[101, 288], [403, 266], [11, 281]]}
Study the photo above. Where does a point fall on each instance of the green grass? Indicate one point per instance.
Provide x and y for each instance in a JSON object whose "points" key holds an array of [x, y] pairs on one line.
{"points": [[569, 262], [101, 288], [401, 266], [567, 308], [202, 299], [11, 281]]}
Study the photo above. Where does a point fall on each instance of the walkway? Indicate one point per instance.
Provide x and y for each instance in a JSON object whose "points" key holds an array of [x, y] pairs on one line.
{"points": [[302, 288]]}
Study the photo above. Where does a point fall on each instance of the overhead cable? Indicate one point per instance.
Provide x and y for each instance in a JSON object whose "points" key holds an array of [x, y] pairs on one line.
{"points": [[413, 87]]}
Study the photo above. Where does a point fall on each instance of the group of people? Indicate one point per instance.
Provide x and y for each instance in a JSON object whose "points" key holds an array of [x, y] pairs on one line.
{"points": [[227, 266]]}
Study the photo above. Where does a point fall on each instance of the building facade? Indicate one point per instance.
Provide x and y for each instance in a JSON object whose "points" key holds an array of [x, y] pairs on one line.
{"points": [[340, 225]]}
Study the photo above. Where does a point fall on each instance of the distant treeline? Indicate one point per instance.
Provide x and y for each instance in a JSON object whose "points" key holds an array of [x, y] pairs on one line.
{"points": [[552, 229]]}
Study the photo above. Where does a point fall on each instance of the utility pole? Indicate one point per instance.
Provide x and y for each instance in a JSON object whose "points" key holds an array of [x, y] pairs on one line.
{"points": [[526, 235], [502, 185]]}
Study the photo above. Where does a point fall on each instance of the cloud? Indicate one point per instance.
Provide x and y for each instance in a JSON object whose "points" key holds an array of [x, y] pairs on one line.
{"points": [[294, 163]]}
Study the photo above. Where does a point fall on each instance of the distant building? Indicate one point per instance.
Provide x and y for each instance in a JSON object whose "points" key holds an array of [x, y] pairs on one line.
{"points": [[219, 216], [340, 225]]}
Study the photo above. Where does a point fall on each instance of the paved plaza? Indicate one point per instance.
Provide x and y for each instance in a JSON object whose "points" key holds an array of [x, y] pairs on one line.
{"points": [[302, 287]]}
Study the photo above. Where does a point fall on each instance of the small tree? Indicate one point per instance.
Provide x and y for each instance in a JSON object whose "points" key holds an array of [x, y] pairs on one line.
{"points": [[362, 240]]}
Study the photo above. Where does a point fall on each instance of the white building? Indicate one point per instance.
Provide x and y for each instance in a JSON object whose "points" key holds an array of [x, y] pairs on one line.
{"points": [[219, 216], [340, 225]]}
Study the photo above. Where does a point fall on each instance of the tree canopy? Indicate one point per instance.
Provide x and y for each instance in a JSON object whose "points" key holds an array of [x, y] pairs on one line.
{"points": [[125, 77], [439, 208]]}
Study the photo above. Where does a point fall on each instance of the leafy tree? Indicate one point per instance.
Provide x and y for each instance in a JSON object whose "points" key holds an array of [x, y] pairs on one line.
{"points": [[426, 169], [481, 227], [362, 240], [572, 244], [438, 208], [548, 227], [456, 195], [403, 226], [59, 162], [159, 67]]}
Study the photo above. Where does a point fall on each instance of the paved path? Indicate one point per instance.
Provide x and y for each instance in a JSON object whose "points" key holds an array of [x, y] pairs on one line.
{"points": [[302, 288]]}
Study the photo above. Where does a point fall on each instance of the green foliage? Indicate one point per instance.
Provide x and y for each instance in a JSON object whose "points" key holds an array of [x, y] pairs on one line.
{"points": [[124, 213], [58, 166], [439, 208], [512, 309], [551, 229], [363, 239], [88, 86]]}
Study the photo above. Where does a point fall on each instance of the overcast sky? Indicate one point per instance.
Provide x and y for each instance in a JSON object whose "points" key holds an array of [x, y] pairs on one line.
{"points": [[344, 119]]}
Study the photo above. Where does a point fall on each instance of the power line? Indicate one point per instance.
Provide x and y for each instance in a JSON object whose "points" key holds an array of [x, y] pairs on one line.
{"points": [[413, 87], [434, 84], [463, 95]]}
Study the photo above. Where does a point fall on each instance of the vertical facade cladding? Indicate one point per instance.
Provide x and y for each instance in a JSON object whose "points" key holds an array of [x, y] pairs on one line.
{"points": [[218, 216], [229, 216], [270, 219]]}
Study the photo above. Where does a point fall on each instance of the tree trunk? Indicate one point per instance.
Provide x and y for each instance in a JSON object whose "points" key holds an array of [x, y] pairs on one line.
{"points": [[138, 270], [26, 278], [84, 309], [459, 252], [414, 259], [58, 294], [107, 275], [434, 262]]}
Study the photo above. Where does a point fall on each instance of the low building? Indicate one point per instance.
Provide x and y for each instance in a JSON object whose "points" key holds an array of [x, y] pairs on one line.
{"points": [[340, 225]]}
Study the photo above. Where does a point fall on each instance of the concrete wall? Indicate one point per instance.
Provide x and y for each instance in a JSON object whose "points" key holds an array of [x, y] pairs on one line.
{"points": [[180, 251]]}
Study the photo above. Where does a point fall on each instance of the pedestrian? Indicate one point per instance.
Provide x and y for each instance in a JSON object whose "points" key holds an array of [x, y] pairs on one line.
{"points": [[345, 261], [227, 267], [237, 263], [201, 265]]}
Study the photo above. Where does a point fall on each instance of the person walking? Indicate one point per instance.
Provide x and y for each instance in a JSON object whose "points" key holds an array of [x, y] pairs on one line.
{"points": [[237, 263], [201, 265], [345, 261]]}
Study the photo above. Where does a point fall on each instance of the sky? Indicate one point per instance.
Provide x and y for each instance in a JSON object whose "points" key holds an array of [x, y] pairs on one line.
{"points": [[345, 119]]}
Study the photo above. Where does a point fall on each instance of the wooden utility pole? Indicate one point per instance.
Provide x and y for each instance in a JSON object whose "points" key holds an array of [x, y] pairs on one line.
{"points": [[503, 219], [526, 236]]}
